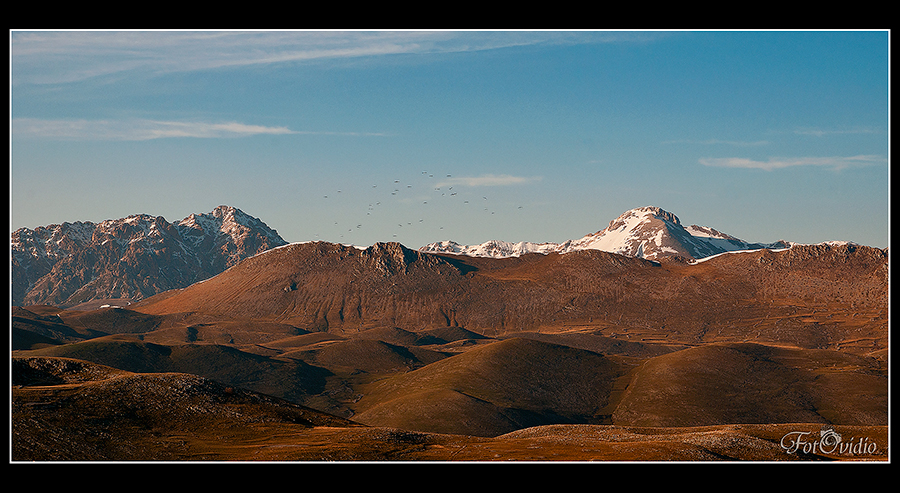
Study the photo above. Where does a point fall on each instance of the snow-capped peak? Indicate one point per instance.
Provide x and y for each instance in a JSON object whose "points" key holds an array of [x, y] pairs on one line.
{"points": [[644, 232]]}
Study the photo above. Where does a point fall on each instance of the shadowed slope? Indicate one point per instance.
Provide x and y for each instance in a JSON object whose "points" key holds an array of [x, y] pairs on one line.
{"points": [[749, 383], [371, 356], [72, 410], [291, 380], [40, 326]]}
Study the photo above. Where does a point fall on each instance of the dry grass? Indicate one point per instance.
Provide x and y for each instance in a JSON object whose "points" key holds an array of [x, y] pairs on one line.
{"points": [[66, 410]]}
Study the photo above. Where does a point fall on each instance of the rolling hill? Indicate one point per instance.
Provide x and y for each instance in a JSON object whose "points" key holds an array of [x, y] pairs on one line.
{"points": [[494, 389]]}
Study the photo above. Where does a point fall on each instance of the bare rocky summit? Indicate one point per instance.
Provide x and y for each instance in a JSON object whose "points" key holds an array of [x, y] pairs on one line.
{"points": [[130, 258]]}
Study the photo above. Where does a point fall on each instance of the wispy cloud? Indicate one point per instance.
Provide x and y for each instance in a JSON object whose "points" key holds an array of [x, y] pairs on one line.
{"points": [[488, 180], [837, 163], [736, 143], [42, 57], [816, 132], [125, 130]]}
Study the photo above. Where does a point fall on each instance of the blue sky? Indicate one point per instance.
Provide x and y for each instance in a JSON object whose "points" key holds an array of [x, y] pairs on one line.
{"points": [[359, 137]]}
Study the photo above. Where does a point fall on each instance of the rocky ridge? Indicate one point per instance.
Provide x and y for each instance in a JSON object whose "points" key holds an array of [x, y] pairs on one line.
{"points": [[130, 258], [324, 287]]}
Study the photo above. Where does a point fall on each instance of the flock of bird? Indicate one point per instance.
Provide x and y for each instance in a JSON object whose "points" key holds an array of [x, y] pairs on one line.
{"points": [[417, 203]]}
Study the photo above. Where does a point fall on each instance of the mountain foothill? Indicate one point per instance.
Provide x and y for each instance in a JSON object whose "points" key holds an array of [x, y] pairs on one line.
{"points": [[212, 338]]}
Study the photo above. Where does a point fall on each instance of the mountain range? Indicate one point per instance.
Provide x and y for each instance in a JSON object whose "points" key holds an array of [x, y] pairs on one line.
{"points": [[386, 352], [645, 232], [141, 255], [130, 258], [400, 339]]}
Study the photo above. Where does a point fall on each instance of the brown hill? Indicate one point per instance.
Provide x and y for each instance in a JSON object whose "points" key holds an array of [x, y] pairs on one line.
{"points": [[594, 340], [428, 337], [112, 320], [247, 335], [65, 409], [751, 383], [494, 389], [320, 286], [820, 296]]}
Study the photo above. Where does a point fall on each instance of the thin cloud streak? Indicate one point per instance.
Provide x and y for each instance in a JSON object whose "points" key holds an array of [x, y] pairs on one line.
{"points": [[488, 181], [51, 57], [138, 130], [836, 163]]}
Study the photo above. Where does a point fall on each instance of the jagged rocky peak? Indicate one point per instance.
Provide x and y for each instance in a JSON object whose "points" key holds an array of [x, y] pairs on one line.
{"points": [[132, 257], [211, 221], [391, 255], [134, 227], [225, 219], [76, 233]]}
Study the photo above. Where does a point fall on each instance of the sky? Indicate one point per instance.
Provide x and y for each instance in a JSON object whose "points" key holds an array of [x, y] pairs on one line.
{"points": [[360, 137]]}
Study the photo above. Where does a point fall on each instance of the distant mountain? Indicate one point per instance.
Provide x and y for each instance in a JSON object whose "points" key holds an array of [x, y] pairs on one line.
{"points": [[646, 232], [130, 258]]}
